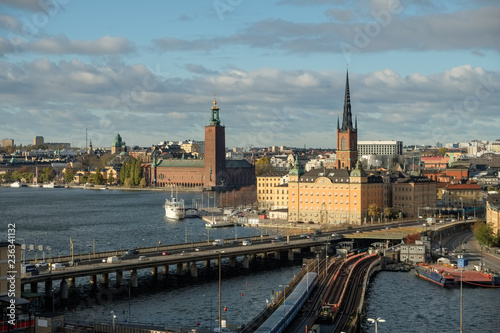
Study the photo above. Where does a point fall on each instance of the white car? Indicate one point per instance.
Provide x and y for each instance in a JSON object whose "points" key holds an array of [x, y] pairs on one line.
{"points": [[42, 264], [246, 242]]}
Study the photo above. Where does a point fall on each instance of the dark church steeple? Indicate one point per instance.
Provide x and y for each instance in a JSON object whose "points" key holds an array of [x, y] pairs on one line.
{"points": [[347, 116]]}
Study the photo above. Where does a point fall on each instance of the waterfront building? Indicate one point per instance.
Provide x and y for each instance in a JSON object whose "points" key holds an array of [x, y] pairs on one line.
{"points": [[412, 193], [272, 190], [213, 171], [458, 195]]}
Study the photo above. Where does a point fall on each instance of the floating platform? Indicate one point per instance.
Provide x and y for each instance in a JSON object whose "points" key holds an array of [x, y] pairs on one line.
{"points": [[448, 276]]}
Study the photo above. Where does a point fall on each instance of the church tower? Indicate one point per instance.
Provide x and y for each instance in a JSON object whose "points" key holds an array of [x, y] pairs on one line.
{"points": [[215, 151], [347, 135]]}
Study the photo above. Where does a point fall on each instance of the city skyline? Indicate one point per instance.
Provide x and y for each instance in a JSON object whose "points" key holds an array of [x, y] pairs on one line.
{"points": [[419, 73]]}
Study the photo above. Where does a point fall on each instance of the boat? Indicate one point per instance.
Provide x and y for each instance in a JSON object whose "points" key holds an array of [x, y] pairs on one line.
{"points": [[105, 187], [51, 185], [219, 223], [430, 273], [17, 184], [192, 212], [87, 186], [449, 276], [174, 208]]}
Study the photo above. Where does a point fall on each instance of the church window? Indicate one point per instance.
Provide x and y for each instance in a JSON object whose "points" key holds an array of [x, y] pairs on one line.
{"points": [[342, 144]]}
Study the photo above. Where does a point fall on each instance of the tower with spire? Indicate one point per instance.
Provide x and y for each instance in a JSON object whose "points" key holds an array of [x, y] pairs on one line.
{"points": [[215, 150], [347, 135]]}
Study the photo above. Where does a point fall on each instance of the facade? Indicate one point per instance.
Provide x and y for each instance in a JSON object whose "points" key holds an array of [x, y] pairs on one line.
{"points": [[210, 172], [272, 191], [347, 136], [459, 195], [7, 143], [387, 148], [38, 140], [493, 214], [118, 145], [412, 193], [414, 253], [332, 196]]}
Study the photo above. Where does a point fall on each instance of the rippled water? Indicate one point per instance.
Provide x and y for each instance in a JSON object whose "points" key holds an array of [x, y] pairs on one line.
{"points": [[127, 219], [409, 304]]}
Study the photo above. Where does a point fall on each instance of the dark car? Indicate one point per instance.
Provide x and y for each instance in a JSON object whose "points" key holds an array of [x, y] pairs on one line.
{"points": [[166, 253], [74, 262]]}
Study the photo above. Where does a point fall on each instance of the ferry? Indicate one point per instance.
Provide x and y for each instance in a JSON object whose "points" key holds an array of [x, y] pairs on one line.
{"points": [[427, 272], [174, 208]]}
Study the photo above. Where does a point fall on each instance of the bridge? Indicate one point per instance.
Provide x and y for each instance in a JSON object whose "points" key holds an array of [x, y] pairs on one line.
{"points": [[188, 257]]}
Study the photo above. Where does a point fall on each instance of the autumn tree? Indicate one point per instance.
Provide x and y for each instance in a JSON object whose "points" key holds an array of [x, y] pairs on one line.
{"points": [[373, 211], [263, 166], [410, 239]]}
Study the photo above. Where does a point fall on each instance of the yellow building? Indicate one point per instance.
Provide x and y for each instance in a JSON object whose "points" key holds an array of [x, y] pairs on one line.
{"points": [[333, 196], [493, 214], [411, 195], [272, 191]]}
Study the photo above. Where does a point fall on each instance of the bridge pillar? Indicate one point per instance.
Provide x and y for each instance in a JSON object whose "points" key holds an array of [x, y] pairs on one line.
{"points": [[134, 281], [246, 262], [232, 261], [71, 282], [217, 262], [290, 255], [154, 271], [104, 278], [48, 287], [277, 255], [253, 256], [207, 264], [194, 269], [164, 269], [119, 278], [179, 269], [185, 265], [34, 287], [93, 279], [64, 289], [265, 255]]}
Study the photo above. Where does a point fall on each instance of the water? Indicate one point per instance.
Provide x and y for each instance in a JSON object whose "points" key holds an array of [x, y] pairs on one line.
{"points": [[128, 219]]}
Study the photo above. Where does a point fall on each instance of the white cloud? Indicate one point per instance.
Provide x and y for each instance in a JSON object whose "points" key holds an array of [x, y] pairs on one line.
{"points": [[261, 107]]}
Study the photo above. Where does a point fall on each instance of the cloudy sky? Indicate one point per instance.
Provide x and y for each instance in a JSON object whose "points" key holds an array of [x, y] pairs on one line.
{"points": [[420, 71]]}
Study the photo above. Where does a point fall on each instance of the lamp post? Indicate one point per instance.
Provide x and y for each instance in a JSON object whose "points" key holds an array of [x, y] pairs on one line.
{"points": [[114, 317], [284, 296], [376, 321]]}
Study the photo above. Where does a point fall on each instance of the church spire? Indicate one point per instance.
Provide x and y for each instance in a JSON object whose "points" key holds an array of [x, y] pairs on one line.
{"points": [[347, 117]]}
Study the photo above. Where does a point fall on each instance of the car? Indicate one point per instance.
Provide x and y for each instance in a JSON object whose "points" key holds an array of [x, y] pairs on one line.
{"points": [[41, 264], [317, 232], [166, 253], [222, 330], [218, 242], [183, 253], [143, 258], [277, 239], [246, 242], [198, 249], [305, 235], [453, 220], [74, 262], [57, 265], [234, 242]]}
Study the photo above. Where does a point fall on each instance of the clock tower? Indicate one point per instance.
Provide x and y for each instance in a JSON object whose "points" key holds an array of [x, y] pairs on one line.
{"points": [[347, 135]]}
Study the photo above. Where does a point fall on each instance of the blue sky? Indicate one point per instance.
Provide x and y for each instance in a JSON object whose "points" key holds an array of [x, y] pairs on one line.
{"points": [[420, 71]]}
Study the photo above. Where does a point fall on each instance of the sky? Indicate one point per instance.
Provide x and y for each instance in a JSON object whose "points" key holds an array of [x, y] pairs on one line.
{"points": [[420, 71]]}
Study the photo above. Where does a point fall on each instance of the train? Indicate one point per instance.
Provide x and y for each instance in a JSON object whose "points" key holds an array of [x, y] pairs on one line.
{"points": [[283, 315]]}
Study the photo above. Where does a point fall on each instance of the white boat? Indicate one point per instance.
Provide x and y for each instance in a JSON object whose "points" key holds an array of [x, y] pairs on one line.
{"points": [[192, 212], [174, 208], [219, 223], [49, 185], [17, 184]]}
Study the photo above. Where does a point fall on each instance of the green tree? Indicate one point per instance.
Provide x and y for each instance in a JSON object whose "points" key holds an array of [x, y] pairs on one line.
{"points": [[373, 211], [484, 234], [263, 166], [111, 177], [128, 182], [442, 151], [47, 175], [16, 176], [137, 171], [98, 178], [124, 172], [69, 175], [27, 176]]}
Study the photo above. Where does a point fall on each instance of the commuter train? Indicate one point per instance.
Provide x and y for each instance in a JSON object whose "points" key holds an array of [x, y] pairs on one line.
{"points": [[283, 315]]}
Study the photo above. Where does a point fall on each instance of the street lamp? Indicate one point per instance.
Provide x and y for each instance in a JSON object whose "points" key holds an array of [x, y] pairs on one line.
{"points": [[114, 317], [284, 296], [376, 321]]}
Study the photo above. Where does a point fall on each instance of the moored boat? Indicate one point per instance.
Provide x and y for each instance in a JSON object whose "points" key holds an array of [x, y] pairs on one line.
{"points": [[432, 274], [448, 276], [192, 212], [17, 184], [174, 208], [219, 223]]}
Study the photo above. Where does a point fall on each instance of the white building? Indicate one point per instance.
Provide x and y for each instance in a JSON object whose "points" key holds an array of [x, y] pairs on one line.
{"points": [[387, 148]]}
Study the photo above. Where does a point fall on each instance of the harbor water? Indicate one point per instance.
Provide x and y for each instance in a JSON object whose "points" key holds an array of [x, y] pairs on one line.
{"points": [[115, 219]]}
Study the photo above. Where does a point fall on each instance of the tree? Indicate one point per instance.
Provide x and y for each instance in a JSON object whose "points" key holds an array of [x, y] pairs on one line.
{"points": [[263, 166], [111, 177], [410, 239], [98, 178], [137, 171], [127, 182], [47, 175], [373, 211], [142, 183], [442, 151], [69, 175], [388, 212], [484, 234]]}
